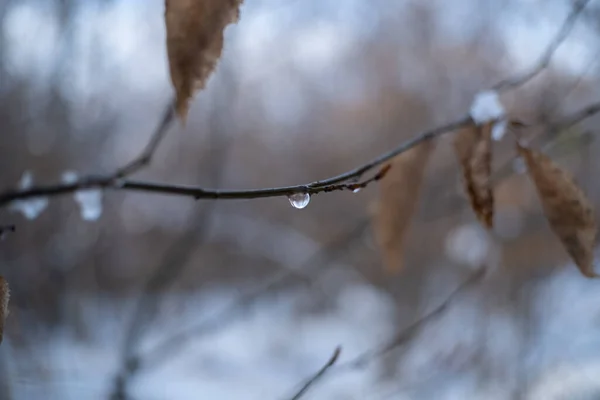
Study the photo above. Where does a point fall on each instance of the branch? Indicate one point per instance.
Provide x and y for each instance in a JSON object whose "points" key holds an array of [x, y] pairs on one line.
{"points": [[554, 132], [579, 116], [145, 157], [400, 339], [324, 186], [315, 378], [327, 185], [407, 334], [174, 260], [546, 57], [317, 265]]}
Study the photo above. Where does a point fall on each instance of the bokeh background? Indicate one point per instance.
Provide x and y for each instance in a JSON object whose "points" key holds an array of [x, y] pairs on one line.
{"points": [[167, 298]]}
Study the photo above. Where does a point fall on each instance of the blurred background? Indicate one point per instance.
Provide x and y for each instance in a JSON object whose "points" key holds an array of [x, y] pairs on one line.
{"points": [[167, 298]]}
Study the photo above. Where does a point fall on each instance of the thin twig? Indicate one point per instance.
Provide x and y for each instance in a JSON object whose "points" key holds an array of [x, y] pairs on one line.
{"points": [[546, 57], [316, 377], [323, 186], [408, 333], [155, 139], [314, 266], [327, 185], [579, 116], [404, 336], [173, 262]]}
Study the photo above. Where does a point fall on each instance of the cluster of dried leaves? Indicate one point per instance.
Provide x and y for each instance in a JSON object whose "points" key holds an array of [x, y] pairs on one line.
{"points": [[194, 45], [569, 212]]}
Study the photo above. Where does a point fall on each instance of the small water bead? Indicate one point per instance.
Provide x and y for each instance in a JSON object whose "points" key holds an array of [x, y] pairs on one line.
{"points": [[299, 200], [358, 189]]}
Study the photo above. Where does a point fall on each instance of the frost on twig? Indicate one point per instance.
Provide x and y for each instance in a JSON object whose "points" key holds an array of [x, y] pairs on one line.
{"points": [[89, 200], [33, 207], [487, 107]]}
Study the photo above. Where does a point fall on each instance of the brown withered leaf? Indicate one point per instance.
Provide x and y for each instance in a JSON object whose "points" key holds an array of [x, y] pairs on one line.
{"points": [[194, 43], [4, 296], [569, 212], [399, 194], [473, 148]]}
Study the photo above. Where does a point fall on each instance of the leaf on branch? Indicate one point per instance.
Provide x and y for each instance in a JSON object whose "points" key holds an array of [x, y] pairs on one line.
{"points": [[473, 148], [568, 210], [4, 296], [399, 195], [194, 43]]}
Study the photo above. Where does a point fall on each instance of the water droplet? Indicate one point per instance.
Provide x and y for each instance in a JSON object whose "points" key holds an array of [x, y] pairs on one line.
{"points": [[356, 190], [299, 200]]}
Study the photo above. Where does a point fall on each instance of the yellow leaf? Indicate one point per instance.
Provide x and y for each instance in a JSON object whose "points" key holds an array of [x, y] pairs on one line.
{"points": [[473, 148], [569, 212], [399, 195], [4, 296], [194, 43]]}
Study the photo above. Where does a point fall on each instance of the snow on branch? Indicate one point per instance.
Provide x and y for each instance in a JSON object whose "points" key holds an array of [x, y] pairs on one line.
{"points": [[117, 181]]}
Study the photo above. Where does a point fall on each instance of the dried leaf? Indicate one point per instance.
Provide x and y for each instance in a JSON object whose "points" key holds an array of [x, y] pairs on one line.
{"points": [[473, 147], [194, 43], [569, 212], [4, 296], [399, 196]]}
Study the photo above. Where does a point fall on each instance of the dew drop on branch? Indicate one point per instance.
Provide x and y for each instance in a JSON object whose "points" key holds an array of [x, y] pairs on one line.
{"points": [[356, 190], [299, 200]]}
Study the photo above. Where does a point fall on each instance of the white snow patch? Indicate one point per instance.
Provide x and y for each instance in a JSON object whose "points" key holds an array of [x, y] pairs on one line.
{"points": [[487, 107], [89, 200], [33, 207]]}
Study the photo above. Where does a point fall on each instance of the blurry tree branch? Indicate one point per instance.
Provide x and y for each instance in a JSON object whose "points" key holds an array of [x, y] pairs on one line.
{"points": [[310, 382], [146, 155], [400, 339], [176, 258], [546, 139], [546, 57], [164, 274], [339, 182], [408, 333], [311, 269], [323, 186]]}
